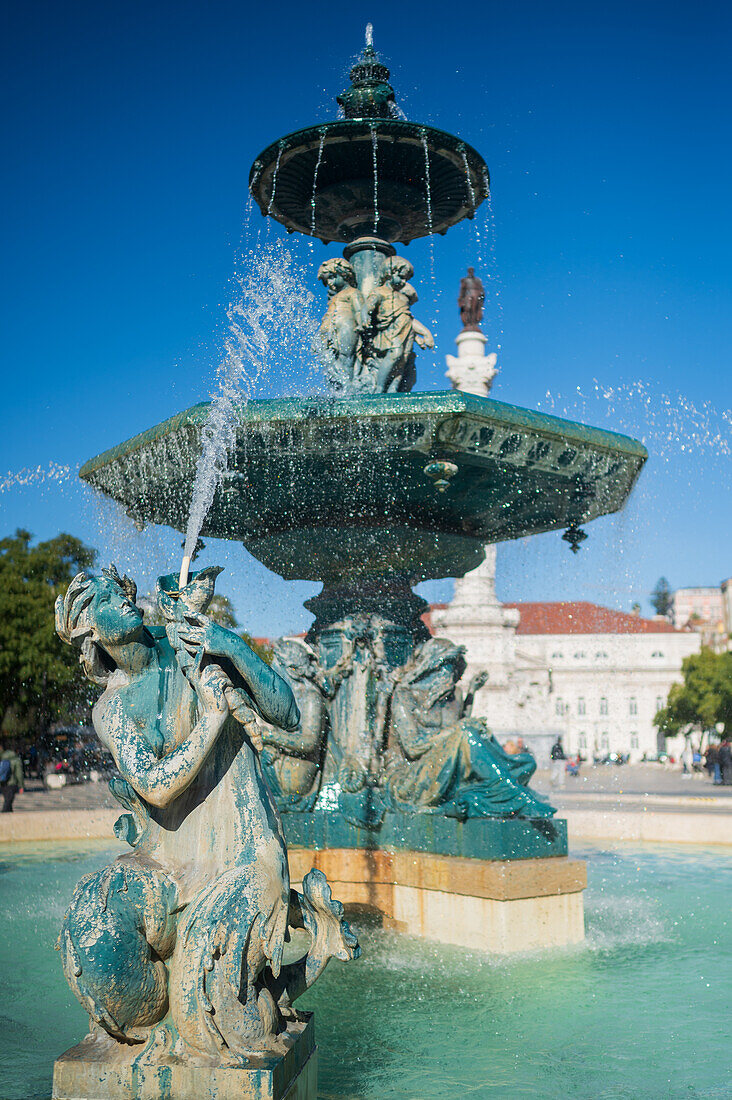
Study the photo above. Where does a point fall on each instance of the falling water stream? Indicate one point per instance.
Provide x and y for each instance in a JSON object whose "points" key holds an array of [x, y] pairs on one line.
{"points": [[428, 196], [274, 185], [374, 158], [318, 162], [471, 194]]}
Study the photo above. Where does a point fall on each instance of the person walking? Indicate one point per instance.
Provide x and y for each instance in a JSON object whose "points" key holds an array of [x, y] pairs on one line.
{"points": [[725, 762], [711, 763], [11, 777], [559, 763]]}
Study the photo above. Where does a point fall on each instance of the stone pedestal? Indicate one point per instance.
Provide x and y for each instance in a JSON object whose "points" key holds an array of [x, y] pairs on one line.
{"points": [[502, 906], [496, 884], [471, 370], [100, 1069]]}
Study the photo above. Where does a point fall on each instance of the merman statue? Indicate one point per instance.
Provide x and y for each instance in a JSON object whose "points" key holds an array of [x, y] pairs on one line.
{"points": [[441, 758], [176, 948]]}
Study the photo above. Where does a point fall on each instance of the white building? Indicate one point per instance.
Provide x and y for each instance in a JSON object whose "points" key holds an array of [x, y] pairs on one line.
{"points": [[595, 675]]}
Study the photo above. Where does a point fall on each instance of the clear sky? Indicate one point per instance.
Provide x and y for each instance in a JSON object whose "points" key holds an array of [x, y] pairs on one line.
{"points": [[128, 130]]}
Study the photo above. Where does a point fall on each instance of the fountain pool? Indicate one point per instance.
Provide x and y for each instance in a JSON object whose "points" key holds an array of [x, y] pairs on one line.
{"points": [[637, 1012]]}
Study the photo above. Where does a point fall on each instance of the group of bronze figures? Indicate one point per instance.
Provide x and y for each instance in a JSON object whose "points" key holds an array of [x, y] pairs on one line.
{"points": [[386, 726], [368, 333], [367, 336]]}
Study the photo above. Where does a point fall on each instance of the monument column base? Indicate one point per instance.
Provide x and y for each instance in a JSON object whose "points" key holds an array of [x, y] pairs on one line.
{"points": [[100, 1069], [502, 906]]}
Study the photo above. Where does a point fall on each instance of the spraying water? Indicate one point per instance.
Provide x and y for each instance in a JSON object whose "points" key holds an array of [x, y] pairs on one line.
{"points": [[370, 34], [269, 318], [37, 475]]}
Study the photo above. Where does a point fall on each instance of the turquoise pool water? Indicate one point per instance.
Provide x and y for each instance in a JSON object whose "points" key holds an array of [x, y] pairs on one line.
{"points": [[639, 1012]]}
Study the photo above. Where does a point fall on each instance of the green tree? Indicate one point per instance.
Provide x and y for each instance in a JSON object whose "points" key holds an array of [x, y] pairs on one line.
{"points": [[662, 598], [703, 700], [40, 678]]}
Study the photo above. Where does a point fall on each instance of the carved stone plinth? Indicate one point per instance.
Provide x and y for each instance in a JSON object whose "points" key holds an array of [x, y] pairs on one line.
{"points": [[100, 1069], [502, 906]]}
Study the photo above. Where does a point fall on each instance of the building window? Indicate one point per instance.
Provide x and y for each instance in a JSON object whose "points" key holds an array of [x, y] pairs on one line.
{"points": [[603, 705], [559, 707], [581, 706], [657, 653], [601, 655], [659, 703], [581, 656], [582, 741], [633, 705], [555, 655], [634, 740], [605, 741]]}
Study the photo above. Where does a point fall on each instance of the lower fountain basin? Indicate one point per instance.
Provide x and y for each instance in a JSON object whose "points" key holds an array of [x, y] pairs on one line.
{"points": [[606, 1018], [412, 484]]}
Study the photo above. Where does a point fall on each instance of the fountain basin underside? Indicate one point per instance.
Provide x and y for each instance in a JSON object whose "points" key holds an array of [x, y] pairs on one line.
{"points": [[323, 489], [323, 180]]}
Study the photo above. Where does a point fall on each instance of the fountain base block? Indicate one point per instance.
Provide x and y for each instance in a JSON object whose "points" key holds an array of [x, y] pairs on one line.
{"points": [[99, 1068], [480, 838], [502, 906]]}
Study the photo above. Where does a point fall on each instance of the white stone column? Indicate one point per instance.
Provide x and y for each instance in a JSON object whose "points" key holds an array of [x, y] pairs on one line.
{"points": [[475, 618], [472, 371]]}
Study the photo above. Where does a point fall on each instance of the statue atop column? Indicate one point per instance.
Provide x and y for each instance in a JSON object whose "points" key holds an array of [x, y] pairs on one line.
{"points": [[471, 370], [470, 301]]}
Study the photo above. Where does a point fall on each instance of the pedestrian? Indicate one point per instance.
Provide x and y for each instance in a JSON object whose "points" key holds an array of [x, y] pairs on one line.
{"points": [[559, 760], [11, 777], [711, 763], [725, 762], [686, 761]]}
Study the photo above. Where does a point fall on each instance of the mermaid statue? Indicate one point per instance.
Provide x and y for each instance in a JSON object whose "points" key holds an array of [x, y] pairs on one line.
{"points": [[176, 948]]}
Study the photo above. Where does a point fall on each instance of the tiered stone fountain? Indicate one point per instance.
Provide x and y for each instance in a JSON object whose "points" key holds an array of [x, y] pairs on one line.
{"points": [[386, 780]]}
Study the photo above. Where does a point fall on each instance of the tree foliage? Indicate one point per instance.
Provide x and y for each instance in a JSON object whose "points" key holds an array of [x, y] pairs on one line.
{"points": [[40, 678], [703, 700], [662, 597]]}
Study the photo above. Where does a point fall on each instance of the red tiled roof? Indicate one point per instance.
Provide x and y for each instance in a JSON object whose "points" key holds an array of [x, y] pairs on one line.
{"points": [[580, 617], [575, 617]]}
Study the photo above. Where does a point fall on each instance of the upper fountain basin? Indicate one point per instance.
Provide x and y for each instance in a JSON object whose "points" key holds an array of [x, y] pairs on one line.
{"points": [[322, 489], [321, 181]]}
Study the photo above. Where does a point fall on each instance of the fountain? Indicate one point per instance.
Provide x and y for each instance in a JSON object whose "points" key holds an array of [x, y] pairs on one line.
{"points": [[365, 735]]}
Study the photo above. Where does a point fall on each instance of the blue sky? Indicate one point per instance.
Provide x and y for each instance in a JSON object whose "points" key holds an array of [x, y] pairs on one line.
{"points": [[127, 135]]}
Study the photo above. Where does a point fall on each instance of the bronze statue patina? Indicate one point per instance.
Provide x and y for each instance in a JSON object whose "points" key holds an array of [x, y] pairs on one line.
{"points": [[176, 948], [389, 330], [470, 301], [368, 332], [340, 329], [390, 729]]}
